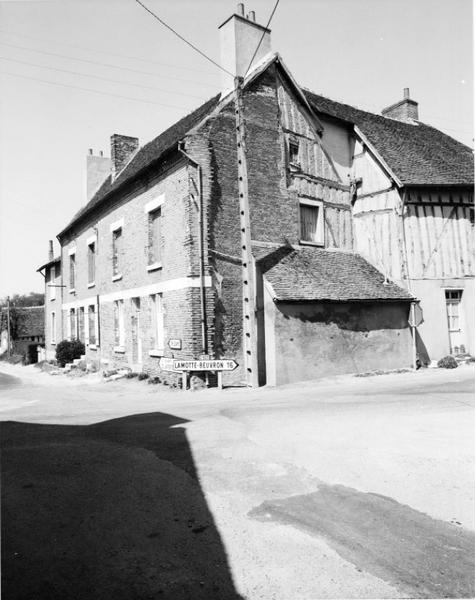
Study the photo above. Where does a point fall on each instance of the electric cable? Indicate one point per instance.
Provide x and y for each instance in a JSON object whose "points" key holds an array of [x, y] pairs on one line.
{"points": [[262, 37], [77, 87], [139, 58], [94, 62], [145, 87], [184, 39]]}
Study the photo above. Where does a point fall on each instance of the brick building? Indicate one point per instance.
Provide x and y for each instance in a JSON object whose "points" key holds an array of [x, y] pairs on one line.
{"points": [[156, 265]]}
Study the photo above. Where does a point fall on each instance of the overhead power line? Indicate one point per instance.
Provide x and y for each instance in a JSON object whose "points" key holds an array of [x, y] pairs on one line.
{"points": [[139, 58], [77, 87], [110, 65], [183, 39], [145, 87], [262, 37]]}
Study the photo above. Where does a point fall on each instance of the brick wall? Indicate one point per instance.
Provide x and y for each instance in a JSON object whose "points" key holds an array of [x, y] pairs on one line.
{"points": [[179, 259]]}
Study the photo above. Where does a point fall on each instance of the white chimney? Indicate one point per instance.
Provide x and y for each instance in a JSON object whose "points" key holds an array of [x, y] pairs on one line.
{"points": [[97, 170], [239, 38]]}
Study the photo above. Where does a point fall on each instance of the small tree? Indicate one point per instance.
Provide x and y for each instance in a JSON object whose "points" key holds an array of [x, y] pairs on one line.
{"points": [[67, 351]]}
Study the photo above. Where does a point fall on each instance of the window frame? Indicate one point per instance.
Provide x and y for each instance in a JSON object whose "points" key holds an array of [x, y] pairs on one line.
{"points": [[72, 271], [119, 326], [117, 226], [320, 229], [157, 325], [53, 328], [52, 287], [92, 345], [152, 207], [91, 262], [72, 334]]}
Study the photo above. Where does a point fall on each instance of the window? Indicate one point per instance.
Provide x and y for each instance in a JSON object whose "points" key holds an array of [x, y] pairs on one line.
{"points": [[53, 327], [72, 324], [72, 271], [157, 341], [154, 237], [311, 222], [119, 325], [81, 323], [91, 318], [52, 289], [91, 263], [294, 153], [116, 252]]}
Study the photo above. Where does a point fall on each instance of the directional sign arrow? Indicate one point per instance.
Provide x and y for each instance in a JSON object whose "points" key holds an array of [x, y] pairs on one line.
{"points": [[221, 364]]}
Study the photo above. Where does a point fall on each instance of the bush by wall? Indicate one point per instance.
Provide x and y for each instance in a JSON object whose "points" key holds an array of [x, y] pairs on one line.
{"points": [[448, 362], [67, 351]]}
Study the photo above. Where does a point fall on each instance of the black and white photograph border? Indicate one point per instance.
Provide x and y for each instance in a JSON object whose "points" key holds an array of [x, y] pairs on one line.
{"points": [[237, 281]]}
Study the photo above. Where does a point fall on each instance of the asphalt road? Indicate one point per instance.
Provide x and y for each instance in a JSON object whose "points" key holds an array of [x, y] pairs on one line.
{"points": [[344, 488]]}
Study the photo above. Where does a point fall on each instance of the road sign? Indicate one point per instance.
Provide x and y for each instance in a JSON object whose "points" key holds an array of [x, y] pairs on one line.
{"points": [[221, 364], [174, 344], [167, 365], [415, 316]]}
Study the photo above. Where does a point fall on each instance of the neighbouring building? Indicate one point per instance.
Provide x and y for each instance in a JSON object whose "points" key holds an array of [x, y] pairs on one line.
{"points": [[51, 272], [279, 230], [27, 331]]}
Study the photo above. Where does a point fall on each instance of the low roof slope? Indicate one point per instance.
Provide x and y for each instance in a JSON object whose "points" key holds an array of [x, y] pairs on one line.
{"points": [[145, 156], [327, 275], [31, 321], [418, 154]]}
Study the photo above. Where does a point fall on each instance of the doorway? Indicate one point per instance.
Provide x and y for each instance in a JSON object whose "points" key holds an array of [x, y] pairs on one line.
{"points": [[453, 302]]}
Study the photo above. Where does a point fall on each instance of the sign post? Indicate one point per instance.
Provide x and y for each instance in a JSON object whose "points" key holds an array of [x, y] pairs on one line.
{"points": [[186, 366], [415, 319]]}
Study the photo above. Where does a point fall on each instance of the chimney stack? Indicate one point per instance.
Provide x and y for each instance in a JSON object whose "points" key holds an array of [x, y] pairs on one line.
{"points": [[50, 251], [98, 168], [122, 149], [405, 110], [239, 38]]}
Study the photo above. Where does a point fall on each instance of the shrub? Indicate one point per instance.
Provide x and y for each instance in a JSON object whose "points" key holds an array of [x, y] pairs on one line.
{"points": [[448, 362], [142, 376], [67, 351]]}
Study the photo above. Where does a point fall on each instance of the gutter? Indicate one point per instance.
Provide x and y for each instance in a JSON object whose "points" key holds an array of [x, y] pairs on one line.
{"points": [[204, 340]]}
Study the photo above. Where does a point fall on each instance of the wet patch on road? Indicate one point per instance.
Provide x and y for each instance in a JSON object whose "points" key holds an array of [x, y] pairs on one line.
{"points": [[421, 556]]}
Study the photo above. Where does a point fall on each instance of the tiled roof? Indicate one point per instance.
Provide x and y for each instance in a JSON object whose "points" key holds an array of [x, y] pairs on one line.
{"points": [[146, 156], [418, 154], [31, 321], [327, 275]]}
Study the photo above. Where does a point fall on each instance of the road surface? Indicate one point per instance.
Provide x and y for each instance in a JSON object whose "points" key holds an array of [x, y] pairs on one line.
{"points": [[342, 488]]}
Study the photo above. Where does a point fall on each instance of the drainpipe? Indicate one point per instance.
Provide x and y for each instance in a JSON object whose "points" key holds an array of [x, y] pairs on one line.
{"points": [[204, 340]]}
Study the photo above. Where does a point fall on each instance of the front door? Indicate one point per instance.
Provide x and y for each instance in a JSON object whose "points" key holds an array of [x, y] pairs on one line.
{"points": [[136, 334], [453, 301]]}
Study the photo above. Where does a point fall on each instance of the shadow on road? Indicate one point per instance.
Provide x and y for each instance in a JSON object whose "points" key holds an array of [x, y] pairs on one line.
{"points": [[111, 510]]}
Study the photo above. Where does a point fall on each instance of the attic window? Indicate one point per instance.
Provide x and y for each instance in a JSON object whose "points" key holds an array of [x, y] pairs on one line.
{"points": [[294, 160]]}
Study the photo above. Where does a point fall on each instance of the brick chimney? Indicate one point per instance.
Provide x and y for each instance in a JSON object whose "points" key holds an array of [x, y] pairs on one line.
{"points": [[404, 110], [122, 149], [50, 251], [239, 38], [97, 169]]}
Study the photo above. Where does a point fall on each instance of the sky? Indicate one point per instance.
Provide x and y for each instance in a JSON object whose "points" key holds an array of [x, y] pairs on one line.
{"points": [[73, 72]]}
